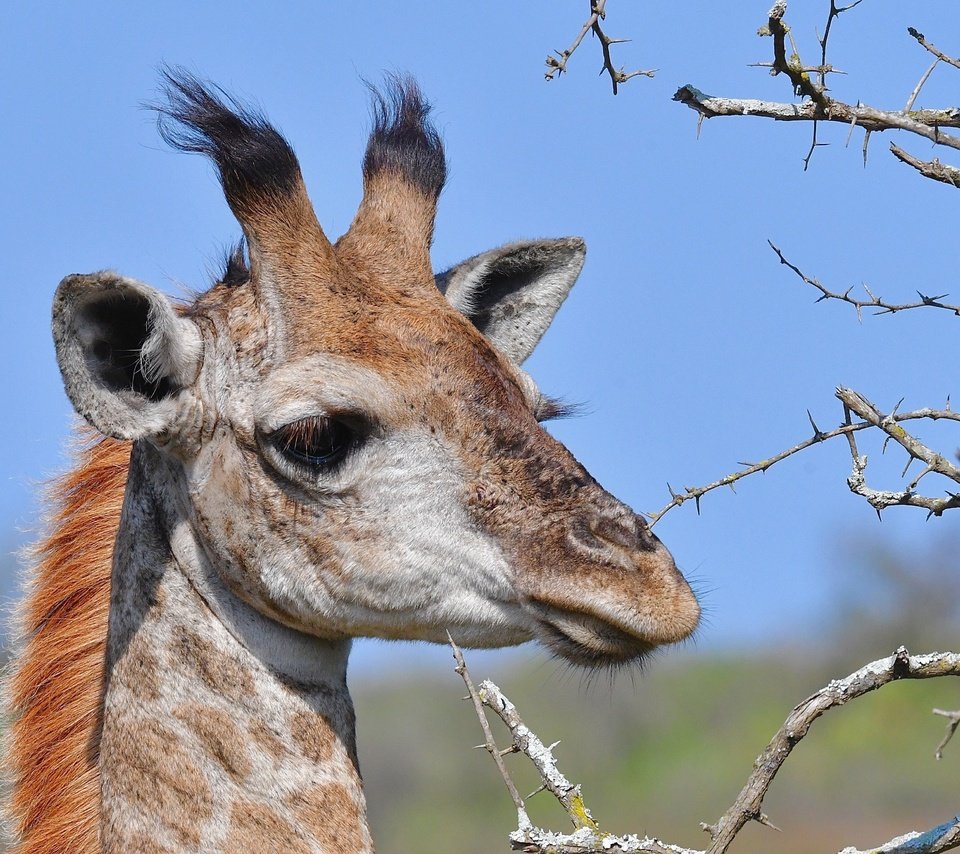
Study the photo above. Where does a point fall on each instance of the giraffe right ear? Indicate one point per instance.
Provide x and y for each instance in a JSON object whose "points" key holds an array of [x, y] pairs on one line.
{"points": [[124, 353], [512, 293]]}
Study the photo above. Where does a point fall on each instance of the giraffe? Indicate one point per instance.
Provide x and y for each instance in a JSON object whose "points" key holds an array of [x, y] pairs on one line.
{"points": [[331, 442]]}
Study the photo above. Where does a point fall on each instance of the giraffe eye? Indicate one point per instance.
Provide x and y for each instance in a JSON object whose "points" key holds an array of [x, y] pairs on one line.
{"points": [[317, 441]]}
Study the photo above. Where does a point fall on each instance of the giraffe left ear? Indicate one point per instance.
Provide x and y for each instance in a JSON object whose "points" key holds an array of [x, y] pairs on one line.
{"points": [[124, 353], [512, 293]]}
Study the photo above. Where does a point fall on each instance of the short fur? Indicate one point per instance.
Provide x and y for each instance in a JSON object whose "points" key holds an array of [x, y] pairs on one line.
{"points": [[56, 690]]}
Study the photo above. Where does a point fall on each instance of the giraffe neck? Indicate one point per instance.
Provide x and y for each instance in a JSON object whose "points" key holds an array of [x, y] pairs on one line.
{"points": [[222, 729]]}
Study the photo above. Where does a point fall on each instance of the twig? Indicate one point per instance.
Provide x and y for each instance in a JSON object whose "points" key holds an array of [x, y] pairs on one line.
{"points": [[696, 492], [556, 65], [952, 723], [937, 53], [884, 307], [835, 12], [523, 819], [901, 665], [929, 168], [920, 84]]}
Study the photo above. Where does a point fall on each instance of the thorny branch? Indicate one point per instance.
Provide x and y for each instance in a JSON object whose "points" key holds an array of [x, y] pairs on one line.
{"points": [[556, 65], [881, 499], [870, 416], [587, 837], [882, 305], [817, 106]]}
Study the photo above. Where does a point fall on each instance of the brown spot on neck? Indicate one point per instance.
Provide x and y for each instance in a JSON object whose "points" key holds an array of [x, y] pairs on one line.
{"points": [[219, 737]]}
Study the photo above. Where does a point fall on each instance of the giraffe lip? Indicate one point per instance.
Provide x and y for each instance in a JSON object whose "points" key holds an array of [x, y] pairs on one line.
{"points": [[586, 640]]}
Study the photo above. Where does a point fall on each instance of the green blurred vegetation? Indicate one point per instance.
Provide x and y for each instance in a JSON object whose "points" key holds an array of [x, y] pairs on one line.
{"points": [[661, 751]]}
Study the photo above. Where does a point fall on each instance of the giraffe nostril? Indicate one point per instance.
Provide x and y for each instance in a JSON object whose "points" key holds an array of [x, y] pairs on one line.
{"points": [[597, 531]]}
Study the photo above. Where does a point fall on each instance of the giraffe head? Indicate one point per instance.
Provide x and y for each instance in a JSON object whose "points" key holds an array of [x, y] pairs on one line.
{"points": [[352, 440]]}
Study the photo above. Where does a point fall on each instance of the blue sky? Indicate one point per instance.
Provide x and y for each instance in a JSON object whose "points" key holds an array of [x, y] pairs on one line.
{"points": [[690, 346]]}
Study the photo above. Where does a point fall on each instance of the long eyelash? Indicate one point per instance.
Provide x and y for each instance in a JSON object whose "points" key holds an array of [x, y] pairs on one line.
{"points": [[552, 408], [303, 431]]}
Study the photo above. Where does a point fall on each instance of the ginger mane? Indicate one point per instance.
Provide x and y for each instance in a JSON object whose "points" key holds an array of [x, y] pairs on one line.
{"points": [[55, 691]]}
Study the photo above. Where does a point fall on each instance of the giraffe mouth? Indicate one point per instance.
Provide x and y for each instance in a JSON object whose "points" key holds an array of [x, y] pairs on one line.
{"points": [[587, 641]]}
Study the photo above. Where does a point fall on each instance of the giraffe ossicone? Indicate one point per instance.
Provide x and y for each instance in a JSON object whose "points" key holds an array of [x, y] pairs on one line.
{"points": [[331, 442]]}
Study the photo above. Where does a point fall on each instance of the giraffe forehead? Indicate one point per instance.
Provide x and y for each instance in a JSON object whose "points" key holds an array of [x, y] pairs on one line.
{"points": [[377, 358]]}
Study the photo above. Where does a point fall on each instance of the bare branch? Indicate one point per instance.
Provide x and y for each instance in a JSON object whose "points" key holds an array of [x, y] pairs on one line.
{"points": [[920, 84], [879, 500], [587, 836], [901, 665], [491, 746], [556, 65], [818, 106], [937, 53], [873, 301], [835, 12], [925, 123], [944, 837], [695, 492], [589, 839], [952, 723], [929, 169]]}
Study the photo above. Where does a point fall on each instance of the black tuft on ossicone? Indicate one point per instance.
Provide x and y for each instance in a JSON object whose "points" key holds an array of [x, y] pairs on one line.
{"points": [[254, 161], [402, 140], [236, 270]]}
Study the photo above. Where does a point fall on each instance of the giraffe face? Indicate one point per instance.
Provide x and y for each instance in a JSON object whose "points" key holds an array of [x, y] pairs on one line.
{"points": [[355, 445]]}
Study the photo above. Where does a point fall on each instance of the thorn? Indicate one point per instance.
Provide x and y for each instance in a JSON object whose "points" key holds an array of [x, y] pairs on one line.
{"points": [[537, 791], [480, 747], [697, 501], [550, 748], [894, 412], [879, 517], [765, 821], [817, 432]]}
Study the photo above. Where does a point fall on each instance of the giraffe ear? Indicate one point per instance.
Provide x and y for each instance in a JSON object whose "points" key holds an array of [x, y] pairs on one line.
{"points": [[124, 353], [511, 294]]}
